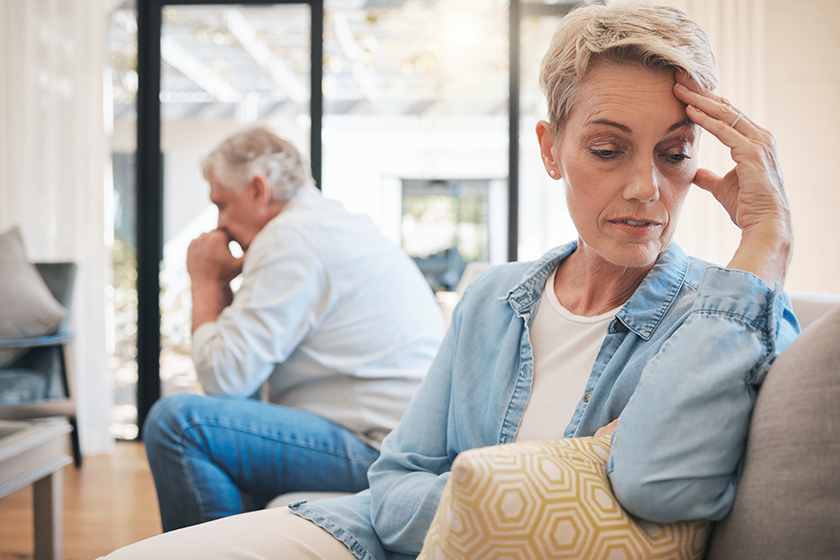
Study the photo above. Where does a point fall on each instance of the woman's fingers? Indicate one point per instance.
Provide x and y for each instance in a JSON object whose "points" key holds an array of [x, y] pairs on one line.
{"points": [[683, 79], [730, 137], [753, 192], [714, 105], [707, 180], [718, 116], [724, 189], [729, 119], [608, 429]]}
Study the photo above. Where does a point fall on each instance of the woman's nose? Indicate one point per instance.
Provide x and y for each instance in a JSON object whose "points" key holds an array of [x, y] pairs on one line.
{"points": [[643, 183]]}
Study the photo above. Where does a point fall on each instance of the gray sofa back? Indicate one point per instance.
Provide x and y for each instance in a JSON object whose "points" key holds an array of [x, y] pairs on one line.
{"points": [[788, 500]]}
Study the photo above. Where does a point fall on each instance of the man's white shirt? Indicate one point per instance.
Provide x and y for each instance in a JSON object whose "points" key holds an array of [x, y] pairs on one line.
{"points": [[340, 321]]}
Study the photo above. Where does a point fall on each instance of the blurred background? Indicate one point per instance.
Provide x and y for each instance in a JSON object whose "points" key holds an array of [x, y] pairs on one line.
{"points": [[416, 133]]}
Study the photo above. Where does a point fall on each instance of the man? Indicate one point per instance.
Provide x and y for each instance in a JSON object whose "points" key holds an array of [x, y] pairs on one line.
{"points": [[338, 321]]}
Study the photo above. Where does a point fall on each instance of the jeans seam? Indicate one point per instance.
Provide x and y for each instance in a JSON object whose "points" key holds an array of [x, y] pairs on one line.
{"points": [[191, 476]]}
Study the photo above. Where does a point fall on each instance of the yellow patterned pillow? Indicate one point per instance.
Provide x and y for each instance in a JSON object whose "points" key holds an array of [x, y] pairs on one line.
{"points": [[545, 500]]}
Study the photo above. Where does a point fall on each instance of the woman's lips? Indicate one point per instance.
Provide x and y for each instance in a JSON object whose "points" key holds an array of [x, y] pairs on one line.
{"points": [[636, 226]]}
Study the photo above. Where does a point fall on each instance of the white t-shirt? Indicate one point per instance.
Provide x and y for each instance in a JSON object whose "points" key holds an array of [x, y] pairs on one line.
{"points": [[564, 348], [339, 320]]}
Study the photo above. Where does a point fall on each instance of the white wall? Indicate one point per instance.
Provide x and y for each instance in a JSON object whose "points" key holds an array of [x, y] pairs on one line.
{"points": [[803, 111], [52, 169]]}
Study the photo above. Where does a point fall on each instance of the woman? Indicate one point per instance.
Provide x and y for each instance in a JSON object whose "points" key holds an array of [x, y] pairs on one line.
{"points": [[619, 330]]}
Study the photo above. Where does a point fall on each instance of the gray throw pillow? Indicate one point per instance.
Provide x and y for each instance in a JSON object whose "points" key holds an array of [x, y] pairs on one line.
{"points": [[27, 308], [788, 501]]}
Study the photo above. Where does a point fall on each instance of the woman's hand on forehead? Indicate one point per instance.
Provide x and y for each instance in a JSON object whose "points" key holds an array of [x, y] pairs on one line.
{"points": [[753, 191]]}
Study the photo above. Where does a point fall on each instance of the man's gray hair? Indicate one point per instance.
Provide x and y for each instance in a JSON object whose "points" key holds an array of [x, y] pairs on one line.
{"points": [[638, 34], [243, 156]]}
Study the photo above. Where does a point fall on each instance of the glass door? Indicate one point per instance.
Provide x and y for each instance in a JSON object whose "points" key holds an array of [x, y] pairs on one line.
{"points": [[415, 118], [544, 221], [415, 94], [121, 91], [224, 68]]}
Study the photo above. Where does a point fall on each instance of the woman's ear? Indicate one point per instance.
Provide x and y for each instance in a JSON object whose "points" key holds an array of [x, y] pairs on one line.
{"points": [[547, 149], [260, 191]]}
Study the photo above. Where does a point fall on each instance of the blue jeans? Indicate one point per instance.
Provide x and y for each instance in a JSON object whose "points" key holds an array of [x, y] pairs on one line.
{"points": [[212, 457]]}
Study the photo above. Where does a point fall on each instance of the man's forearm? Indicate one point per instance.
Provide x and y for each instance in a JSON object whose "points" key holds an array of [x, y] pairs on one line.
{"points": [[209, 299]]}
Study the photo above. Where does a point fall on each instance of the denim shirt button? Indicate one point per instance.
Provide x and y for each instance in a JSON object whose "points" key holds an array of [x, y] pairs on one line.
{"points": [[586, 397], [618, 325]]}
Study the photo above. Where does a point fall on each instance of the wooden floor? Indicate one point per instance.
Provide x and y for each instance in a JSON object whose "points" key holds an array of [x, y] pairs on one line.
{"points": [[108, 503]]}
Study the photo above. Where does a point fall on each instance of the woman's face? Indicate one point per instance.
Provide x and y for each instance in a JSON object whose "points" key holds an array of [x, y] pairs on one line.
{"points": [[627, 157]]}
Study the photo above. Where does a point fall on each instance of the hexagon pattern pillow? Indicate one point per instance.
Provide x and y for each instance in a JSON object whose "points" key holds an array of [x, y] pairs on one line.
{"points": [[541, 500]]}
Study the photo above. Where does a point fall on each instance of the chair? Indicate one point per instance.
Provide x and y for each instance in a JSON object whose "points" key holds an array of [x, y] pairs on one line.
{"points": [[39, 383]]}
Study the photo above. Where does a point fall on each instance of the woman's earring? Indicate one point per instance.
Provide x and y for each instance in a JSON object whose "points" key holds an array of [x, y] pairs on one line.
{"points": [[552, 173]]}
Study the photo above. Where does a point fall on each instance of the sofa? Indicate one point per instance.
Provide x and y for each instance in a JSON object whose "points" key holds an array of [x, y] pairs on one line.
{"points": [[788, 500]]}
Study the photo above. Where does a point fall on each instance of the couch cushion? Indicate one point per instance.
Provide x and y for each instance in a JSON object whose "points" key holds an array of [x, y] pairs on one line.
{"points": [[22, 386], [29, 309], [810, 307], [547, 500], [788, 500]]}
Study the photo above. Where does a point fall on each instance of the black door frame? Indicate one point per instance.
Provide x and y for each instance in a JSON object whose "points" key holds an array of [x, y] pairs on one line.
{"points": [[150, 175], [149, 165]]}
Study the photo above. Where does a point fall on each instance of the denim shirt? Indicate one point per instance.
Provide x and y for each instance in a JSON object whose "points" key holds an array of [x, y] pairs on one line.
{"points": [[680, 364]]}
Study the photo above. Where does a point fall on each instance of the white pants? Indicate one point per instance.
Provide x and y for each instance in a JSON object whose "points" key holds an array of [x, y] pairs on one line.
{"points": [[269, 534]]}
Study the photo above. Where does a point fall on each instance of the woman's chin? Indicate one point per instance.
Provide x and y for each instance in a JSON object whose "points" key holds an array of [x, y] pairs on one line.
{"points": [[631, 255]]}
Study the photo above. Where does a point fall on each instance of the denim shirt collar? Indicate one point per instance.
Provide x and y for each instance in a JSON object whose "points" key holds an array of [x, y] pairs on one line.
{"points": [[644, 310]]}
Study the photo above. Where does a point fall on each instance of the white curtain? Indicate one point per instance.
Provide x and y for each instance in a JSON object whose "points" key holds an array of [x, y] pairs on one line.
{"points": [[53, 154]]}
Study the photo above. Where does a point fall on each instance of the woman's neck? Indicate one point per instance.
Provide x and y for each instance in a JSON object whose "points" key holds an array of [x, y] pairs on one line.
{"points": [[588, 285]]}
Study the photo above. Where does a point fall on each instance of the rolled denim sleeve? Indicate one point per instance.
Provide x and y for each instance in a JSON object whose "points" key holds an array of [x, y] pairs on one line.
{"points": [[678, 450], [407, 480]]}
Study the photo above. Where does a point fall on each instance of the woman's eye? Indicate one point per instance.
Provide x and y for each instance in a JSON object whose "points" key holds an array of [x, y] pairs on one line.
{"points": [[606, 154], [677, 158]]}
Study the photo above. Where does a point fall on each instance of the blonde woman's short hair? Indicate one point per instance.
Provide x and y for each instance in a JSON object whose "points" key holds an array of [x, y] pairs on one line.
{"points": [[639, 34], [238, 159]]}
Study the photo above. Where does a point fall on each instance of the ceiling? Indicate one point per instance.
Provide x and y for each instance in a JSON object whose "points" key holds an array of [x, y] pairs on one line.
{"points": [[385, 57]]}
